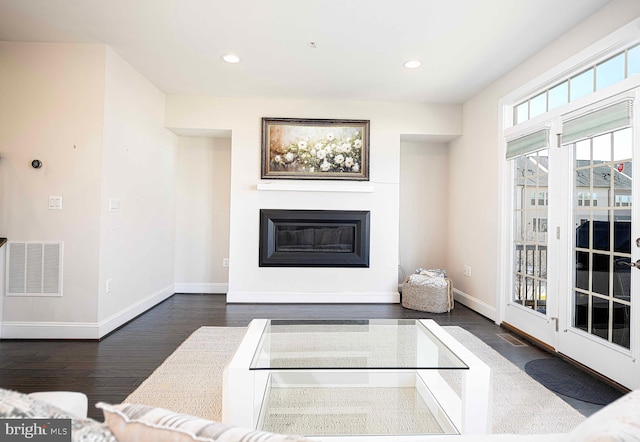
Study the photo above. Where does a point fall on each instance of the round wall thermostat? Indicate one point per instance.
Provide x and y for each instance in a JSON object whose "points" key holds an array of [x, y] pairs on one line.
{"points": [[36, 164]]}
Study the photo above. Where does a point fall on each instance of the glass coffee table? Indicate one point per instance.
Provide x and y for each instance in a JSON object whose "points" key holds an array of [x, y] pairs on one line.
{"points": [[347, 379]]}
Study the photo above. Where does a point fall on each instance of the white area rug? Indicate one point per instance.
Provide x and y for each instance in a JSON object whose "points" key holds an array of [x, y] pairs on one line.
{"points": [[190, 381]]}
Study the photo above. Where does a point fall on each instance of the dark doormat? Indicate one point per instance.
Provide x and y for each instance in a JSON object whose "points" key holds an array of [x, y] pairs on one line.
{"points": [[563, 378]]}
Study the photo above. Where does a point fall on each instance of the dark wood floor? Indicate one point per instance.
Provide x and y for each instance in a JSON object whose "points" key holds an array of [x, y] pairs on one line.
{"points": [[111, 369]]}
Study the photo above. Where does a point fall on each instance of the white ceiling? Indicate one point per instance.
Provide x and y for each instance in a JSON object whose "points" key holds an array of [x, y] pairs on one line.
{"points": [[464, 45]]}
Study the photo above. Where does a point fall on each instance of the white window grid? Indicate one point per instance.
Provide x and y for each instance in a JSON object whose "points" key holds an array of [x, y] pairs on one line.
{"points": [[593, 78]]}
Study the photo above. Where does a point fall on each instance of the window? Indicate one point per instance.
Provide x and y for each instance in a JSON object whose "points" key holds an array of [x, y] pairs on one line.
{"points": [[585, 199], [623, 201], [633, 61], [613, 70], [559, 95], [531, 198], [581, 85], [602, 247], [540, 225], [610, 71], [539, 198]]}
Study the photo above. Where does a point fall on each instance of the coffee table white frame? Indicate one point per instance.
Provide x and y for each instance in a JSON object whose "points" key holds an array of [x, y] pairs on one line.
{"points": [[244, 390]]}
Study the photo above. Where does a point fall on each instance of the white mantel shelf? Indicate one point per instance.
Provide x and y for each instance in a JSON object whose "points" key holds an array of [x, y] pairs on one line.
{"points": [[316, 187]]}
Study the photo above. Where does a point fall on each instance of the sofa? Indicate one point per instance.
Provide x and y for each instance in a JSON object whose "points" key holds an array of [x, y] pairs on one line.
{"points": [[619, 421]]}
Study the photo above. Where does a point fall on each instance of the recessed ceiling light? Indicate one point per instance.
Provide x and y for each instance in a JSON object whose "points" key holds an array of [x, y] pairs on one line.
{"points": [[231, 58], [412, 64]]}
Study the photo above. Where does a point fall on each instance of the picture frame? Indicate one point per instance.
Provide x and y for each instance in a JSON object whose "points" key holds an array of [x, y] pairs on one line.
{"points": [[315, 149]]}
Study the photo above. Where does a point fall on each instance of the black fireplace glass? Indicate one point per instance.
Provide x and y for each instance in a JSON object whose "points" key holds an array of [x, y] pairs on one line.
{"points": [[314, 238]]}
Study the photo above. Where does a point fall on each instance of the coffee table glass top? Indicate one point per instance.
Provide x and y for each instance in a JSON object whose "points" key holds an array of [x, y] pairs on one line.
{"points": [[352, 344]]}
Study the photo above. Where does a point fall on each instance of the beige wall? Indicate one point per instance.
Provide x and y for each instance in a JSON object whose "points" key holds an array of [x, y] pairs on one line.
{"points": [[203, 185], [51, 109], [98, 127], [474, 162], [424, 202], [247, 281], [137, 242]]}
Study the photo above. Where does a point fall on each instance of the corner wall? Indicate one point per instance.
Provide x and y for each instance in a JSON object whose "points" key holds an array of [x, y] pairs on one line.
{"points": [[424, 203], [137, 241], [202, 214]]}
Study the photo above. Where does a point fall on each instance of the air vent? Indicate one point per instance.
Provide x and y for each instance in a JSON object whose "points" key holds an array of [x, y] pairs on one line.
{"points": [[34, 269]]}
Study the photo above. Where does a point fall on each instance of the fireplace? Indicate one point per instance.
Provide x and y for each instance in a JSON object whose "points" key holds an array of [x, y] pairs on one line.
{"points": [[314, 238]]}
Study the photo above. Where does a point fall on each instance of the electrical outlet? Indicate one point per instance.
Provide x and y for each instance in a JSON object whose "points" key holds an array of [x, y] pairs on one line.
{"points": [[225, 262], [467, 270], [108, 285]]}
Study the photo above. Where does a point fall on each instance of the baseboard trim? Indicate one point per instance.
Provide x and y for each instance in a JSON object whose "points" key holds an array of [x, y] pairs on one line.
{"points": [[313, 298], [49, 330], [125, 315], [209, 287], [82, 330], [475, 304]]}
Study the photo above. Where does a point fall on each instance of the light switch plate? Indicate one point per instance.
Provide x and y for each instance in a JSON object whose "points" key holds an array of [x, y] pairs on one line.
{"points": [[55, 202]]}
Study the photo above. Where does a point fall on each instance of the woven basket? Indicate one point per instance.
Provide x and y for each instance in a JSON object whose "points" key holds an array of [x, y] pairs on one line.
{"points": [[431, 294]]}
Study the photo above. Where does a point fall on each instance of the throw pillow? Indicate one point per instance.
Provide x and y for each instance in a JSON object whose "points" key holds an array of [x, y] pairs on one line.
{"points": [[140, 423], [14, 405]]}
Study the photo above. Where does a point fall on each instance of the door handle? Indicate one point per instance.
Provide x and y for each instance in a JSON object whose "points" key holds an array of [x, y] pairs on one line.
{"points": [[631, 264]]}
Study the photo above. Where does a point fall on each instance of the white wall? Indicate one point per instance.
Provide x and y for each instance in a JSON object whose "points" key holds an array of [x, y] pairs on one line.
{"points": [[139, 161], [247, 281], [51, 109], [98, 127], [424, 205], [203, 186], [474, 160]]}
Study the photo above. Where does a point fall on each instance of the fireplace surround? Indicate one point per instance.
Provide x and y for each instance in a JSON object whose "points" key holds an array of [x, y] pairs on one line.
{"points": [[314, 238]]}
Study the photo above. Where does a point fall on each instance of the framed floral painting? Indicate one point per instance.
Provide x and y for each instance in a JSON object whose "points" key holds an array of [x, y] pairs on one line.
{"points": [[316, 149]]}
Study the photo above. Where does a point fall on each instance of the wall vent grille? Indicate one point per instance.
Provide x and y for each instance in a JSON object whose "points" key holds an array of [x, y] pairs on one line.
{"points": [[34, 269]]}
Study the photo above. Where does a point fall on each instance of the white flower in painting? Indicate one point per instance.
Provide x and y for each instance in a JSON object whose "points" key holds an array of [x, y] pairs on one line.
{"points": [[346, 147], [348, 162], [313, 151], [302, 145], [319, 145], [312, 169], [321, 154], [356, 168], [331, 147], [339, 159], [277, 159], [325, 166], [289, 157], [330, 136], [356, 133], [357, 143]]}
